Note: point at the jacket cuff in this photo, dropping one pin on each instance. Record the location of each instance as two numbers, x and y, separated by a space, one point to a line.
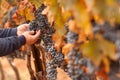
14 31
22 39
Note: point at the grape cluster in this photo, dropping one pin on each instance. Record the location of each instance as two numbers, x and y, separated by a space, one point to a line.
41 23
71 37
40 9
55 62
75 64
75 61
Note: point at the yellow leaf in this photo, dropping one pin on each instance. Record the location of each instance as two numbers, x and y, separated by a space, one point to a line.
66 49
91 50
82 16
37 2
106 63
98 49
111 2
56 12
73 26
58 34
26 10
100 7
108 48
68 4
66 15
59 44
109 11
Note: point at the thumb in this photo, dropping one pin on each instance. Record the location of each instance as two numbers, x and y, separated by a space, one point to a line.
31 32
26 26
37 34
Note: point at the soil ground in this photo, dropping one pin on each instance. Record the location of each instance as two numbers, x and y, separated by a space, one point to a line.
23 71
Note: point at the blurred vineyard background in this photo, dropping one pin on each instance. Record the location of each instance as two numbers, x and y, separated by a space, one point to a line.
96 23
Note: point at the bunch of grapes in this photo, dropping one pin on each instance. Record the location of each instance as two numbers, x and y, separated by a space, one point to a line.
56 58
71 37
76 61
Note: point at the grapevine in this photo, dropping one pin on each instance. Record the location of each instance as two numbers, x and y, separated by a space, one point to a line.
81 37
41 23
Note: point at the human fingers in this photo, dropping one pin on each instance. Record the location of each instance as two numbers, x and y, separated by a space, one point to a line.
36 36
23 27
26 26
31 32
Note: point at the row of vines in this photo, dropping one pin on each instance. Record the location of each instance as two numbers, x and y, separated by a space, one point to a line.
82 37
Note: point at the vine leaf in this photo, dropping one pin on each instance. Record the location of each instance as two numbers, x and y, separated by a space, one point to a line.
56 12
67 4
78 9
67 48
92 52
112 13
28 14
37 2
27 10
108 48
97 51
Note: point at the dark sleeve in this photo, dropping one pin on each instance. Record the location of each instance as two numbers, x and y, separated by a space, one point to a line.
8 32
9 44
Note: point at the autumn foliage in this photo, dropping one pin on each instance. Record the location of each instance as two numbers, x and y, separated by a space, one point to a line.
96 23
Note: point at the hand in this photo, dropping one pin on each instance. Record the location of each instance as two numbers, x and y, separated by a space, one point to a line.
30 38
22 28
